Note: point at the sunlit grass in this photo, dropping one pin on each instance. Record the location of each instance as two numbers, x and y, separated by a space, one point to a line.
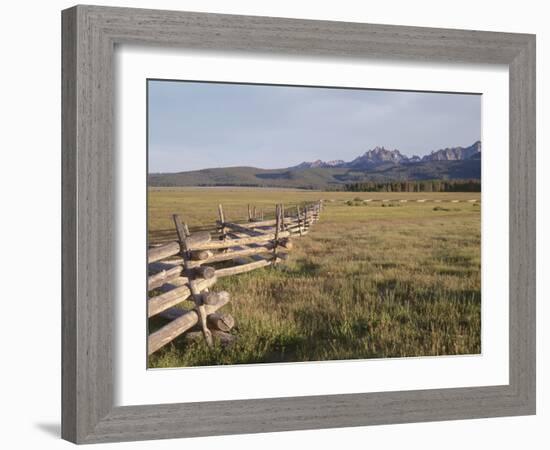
368 281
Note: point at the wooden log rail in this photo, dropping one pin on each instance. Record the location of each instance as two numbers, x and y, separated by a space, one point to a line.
162 252
179 293
243 268
186 270
164 276
232 254
236 242
178 326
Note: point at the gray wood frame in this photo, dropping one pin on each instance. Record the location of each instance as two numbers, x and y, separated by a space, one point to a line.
89 36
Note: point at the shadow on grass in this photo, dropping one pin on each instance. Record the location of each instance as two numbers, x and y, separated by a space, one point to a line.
386 285
305 267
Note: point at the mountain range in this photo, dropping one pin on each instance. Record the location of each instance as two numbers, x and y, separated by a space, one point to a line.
380 155
377 164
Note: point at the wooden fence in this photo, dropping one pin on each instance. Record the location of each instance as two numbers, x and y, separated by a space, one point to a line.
186 269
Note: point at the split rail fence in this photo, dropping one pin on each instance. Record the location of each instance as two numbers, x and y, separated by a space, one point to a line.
186 269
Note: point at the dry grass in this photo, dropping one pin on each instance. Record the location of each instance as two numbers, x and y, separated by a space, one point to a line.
371 280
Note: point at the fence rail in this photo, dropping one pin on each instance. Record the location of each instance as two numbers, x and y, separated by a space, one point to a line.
186 269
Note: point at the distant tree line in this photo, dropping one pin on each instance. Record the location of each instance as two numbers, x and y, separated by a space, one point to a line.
416 186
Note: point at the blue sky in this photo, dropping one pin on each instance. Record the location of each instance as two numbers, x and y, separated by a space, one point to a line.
195 125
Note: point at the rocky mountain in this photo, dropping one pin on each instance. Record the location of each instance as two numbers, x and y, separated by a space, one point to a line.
319 163
378 164
455 153
380 155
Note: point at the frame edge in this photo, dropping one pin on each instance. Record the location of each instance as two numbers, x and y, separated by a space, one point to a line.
69 36
522 283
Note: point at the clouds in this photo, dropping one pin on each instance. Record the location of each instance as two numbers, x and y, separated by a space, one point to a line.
195 125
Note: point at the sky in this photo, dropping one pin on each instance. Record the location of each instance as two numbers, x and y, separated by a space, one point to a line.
194 125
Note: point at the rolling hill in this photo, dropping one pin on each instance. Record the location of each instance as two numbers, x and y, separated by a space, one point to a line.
378 164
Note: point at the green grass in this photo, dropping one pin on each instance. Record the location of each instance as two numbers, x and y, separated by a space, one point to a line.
368 281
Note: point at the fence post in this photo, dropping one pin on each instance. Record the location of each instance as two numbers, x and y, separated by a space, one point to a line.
182 231
299 219
277 228
249 213
222 221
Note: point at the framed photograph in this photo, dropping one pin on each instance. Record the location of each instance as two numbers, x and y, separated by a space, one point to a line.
389 263
278 224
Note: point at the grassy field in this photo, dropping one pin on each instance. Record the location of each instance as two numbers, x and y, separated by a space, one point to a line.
370 280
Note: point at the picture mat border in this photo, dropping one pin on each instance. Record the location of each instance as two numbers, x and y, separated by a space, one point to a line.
135 385
89 36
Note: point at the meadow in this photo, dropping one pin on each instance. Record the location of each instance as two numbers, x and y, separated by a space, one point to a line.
372 279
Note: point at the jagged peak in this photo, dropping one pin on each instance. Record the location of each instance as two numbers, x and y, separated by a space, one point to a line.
380 154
